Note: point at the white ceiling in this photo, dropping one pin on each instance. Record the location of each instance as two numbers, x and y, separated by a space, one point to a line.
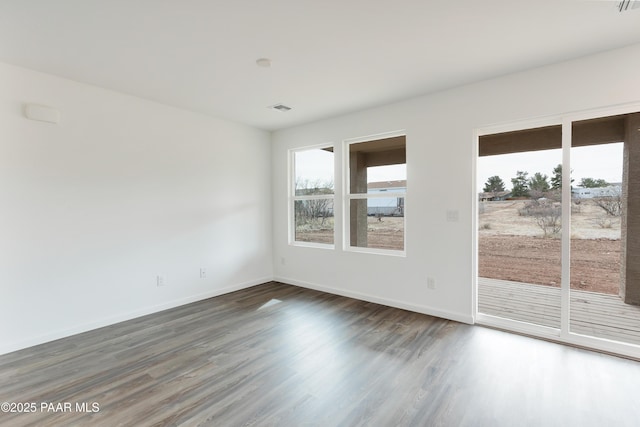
329 56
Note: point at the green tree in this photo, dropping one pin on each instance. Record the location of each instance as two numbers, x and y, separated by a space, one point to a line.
556 179
593 183
494 185
520 184
539 182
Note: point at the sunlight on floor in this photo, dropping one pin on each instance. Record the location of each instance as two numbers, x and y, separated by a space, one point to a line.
269 303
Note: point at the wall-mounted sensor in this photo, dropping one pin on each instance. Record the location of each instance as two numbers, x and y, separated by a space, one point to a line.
42 113
263 62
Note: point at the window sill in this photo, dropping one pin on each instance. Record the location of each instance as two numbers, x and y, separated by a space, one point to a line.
374 251
312 245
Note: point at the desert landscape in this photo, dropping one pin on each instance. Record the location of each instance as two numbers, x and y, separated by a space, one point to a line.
512 246
383 232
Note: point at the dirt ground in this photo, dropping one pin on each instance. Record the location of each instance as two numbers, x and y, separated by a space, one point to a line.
595 263
386 233
510 247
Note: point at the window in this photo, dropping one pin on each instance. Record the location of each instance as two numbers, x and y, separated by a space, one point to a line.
376 192
312 195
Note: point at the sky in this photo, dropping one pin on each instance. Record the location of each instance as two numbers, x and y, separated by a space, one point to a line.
597 161
317 164
314 165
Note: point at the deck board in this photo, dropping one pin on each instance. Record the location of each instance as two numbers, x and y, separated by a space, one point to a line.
595 314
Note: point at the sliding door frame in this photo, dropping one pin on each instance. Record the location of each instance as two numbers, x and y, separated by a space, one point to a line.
563 334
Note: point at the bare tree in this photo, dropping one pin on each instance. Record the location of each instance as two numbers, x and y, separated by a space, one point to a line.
546 213
549 220
313 212
305 187
611 203
317 208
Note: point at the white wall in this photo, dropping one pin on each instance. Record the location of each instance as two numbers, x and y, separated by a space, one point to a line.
440 152
123 189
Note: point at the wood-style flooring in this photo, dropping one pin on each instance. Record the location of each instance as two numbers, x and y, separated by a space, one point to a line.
278 355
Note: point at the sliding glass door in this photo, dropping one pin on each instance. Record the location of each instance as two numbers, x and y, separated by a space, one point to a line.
604 301
558 239
519 225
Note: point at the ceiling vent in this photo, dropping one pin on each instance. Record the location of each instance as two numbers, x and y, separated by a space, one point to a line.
280 107
625 5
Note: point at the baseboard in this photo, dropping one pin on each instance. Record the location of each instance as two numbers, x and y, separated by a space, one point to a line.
111 320
33 341
449 315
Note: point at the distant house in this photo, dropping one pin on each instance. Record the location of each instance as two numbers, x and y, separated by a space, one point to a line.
494 196
612 190
386 206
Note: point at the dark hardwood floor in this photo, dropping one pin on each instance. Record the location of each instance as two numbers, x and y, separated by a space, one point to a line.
278 355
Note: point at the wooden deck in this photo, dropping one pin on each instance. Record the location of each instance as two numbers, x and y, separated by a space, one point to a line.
594 314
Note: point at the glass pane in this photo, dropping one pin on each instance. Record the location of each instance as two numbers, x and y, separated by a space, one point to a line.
314 172
597 304
519 236
378 223
314 221
391 178
378 165
378 170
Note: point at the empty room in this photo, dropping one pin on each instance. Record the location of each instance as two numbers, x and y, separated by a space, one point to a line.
319 213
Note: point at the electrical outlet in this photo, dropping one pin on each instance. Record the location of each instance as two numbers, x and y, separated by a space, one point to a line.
431 283
203 273
160 280
453 215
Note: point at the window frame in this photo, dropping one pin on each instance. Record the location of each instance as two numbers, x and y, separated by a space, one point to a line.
348 196
293 197
565 333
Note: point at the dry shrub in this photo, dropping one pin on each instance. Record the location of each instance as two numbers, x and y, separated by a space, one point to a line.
546 213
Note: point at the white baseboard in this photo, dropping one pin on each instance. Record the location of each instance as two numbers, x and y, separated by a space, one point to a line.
450 315
111 320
